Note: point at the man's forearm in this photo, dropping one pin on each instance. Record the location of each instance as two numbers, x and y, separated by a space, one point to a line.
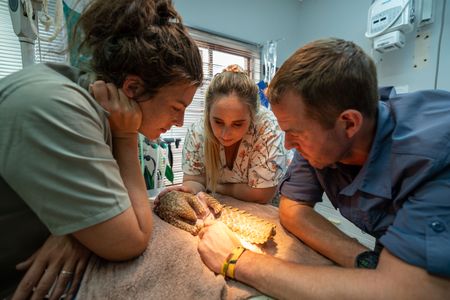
295 281
318 233
125 150
393 279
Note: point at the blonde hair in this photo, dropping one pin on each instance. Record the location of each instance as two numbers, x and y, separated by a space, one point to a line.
231 81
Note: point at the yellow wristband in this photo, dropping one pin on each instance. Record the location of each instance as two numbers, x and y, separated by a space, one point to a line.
229 265
224 269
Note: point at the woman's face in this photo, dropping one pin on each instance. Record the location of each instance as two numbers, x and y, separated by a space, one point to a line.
165 109
230 119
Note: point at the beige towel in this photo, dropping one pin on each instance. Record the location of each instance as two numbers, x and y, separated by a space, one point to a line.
171 267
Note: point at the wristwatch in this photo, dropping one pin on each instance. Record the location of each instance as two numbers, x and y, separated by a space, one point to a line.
367 260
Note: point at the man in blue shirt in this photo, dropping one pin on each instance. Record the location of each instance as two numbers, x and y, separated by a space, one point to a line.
386 166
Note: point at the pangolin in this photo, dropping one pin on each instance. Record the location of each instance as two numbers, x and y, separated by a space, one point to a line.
176 204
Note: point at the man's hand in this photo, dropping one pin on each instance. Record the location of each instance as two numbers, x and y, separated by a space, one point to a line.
56 266
125 115
216 243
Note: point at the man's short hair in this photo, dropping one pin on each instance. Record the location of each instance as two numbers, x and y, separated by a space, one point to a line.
330 75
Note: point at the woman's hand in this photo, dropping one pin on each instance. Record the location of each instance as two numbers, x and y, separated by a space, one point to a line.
216 243
55 270
180 188
125 115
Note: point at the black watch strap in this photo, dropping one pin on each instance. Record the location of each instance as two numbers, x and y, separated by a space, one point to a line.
367 260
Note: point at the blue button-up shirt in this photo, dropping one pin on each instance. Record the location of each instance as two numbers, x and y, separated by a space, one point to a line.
401 195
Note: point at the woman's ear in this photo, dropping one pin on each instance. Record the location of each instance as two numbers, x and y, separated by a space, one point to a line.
351 121
133 86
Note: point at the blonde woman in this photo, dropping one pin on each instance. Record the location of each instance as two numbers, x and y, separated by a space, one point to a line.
237 148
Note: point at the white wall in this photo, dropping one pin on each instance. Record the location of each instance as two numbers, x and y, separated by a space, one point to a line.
255 21
298 22
415 67
344 19
412 68
443 79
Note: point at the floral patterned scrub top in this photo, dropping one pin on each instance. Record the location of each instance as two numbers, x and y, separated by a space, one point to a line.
261 159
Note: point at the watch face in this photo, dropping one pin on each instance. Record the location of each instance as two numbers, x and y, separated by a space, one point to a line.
367 260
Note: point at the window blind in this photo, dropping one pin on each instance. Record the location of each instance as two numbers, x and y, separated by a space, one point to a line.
10 53
10 59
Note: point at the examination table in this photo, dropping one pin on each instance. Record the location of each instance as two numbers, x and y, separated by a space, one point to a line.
171 267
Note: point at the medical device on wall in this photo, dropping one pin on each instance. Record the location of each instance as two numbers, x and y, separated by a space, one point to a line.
25 15
387 23
270 60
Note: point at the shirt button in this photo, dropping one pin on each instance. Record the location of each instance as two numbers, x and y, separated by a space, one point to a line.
437 226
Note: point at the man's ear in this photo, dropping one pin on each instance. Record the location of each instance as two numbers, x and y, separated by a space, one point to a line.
351 121
133 86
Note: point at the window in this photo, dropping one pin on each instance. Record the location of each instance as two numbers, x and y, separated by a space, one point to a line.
10 53
217 53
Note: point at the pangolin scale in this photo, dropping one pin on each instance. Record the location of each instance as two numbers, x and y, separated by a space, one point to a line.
176 204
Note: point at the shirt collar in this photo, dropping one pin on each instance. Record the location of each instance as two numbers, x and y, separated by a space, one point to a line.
374 177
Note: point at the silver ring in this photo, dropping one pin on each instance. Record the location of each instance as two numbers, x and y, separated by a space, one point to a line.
68 273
